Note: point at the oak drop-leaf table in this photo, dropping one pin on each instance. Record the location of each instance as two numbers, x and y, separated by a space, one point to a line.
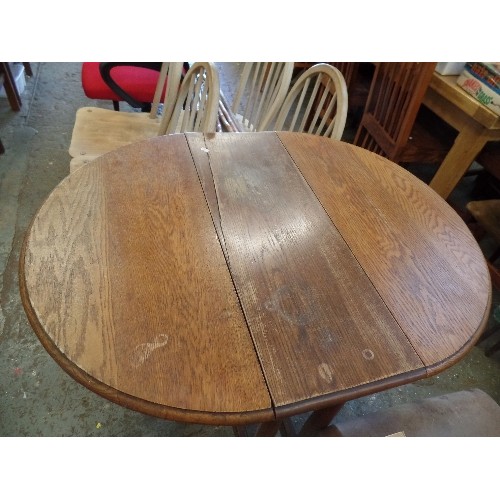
242 278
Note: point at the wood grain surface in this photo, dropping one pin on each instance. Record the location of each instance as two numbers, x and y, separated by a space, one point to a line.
416 250
98 131
233 278
296 278
126 276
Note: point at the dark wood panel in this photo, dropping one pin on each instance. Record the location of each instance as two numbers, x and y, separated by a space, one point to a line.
297 280
131 285
415 249
209 278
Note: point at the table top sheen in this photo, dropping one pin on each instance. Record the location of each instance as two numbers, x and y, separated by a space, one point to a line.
237 278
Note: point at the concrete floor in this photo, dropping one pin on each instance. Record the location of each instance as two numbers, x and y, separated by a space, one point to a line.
37 398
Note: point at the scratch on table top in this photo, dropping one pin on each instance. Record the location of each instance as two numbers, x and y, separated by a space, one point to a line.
142 352
368 354
325 372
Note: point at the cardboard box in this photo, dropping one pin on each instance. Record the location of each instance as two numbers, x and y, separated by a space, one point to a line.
450 68
482 80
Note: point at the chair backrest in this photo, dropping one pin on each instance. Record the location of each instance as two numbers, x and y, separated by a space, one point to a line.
197 104
168 86
261 91
130 82
316 103
394 99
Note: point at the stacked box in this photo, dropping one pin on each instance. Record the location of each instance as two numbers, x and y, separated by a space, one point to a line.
450 68
482 80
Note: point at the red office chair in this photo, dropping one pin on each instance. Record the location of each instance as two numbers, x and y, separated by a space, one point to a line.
131 82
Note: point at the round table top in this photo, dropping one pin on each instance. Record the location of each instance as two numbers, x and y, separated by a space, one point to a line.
235 278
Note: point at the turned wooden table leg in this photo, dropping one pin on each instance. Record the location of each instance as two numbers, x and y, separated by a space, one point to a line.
287 428
318 420
267 429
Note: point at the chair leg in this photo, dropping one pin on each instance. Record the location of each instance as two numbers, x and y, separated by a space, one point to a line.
494 348
488 333
10 87
27 68
2 149
495 255
116 105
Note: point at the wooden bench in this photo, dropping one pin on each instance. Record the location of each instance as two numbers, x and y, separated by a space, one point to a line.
471 413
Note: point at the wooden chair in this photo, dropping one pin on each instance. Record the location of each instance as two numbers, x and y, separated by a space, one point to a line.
98 131
227 121
394 124
197 105
316 103
357 78
349 71
261 91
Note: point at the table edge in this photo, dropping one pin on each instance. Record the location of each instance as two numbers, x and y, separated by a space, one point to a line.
134 403
225 418
114 395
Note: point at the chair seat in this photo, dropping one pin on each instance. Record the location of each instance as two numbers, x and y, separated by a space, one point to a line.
430 140
395 124
469 413
140 83
98 131
426 144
